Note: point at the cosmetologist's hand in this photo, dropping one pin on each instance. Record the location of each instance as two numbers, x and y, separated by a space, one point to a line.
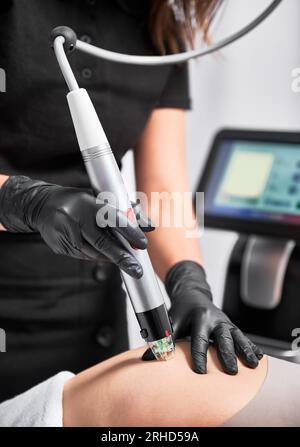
69 221
193 314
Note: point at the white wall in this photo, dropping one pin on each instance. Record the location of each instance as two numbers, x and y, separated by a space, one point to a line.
247 85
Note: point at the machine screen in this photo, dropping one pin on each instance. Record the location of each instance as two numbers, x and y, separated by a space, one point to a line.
255 180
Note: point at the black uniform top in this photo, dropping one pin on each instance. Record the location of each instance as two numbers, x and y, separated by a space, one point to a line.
36 132
61 313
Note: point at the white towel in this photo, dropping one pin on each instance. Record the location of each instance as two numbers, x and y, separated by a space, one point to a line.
41 406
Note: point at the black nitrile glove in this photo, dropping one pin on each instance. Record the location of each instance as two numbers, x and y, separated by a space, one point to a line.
194 314
68 222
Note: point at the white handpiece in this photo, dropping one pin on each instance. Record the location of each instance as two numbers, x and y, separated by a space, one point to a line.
145 293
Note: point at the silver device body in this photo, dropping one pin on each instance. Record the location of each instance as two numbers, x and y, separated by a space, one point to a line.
106 179
145 293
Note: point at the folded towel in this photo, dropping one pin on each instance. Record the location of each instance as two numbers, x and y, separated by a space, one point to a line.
40 406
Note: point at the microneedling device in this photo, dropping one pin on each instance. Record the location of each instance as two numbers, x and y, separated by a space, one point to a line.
104 174
145 294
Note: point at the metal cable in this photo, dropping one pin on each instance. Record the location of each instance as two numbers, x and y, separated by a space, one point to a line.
174 58
64 63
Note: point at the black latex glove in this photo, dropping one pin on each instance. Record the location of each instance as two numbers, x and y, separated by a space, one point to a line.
67 220
194 314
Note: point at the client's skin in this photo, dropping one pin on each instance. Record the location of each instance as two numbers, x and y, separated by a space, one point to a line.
126 391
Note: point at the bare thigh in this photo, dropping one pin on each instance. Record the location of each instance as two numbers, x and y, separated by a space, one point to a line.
126 391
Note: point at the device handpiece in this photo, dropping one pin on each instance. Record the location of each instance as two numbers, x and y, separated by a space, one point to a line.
144 293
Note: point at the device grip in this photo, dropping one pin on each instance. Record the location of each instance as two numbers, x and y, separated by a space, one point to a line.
105 176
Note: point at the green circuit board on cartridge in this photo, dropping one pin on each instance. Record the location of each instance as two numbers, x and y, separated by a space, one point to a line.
163 349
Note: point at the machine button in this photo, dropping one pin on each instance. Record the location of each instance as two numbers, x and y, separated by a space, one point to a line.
144 333
105 336
86 73
293 190
100 273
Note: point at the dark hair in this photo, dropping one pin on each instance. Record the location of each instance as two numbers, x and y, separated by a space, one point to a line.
167 32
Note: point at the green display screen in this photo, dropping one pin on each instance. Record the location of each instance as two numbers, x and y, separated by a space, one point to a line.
256 180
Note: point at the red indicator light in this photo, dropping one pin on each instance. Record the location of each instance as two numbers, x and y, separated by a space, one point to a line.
167 332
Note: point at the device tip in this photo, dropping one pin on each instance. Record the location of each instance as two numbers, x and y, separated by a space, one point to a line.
163 349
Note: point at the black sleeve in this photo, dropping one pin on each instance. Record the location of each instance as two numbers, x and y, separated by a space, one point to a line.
177 90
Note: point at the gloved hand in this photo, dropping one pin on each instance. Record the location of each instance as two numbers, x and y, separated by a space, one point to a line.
193 313
69 222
